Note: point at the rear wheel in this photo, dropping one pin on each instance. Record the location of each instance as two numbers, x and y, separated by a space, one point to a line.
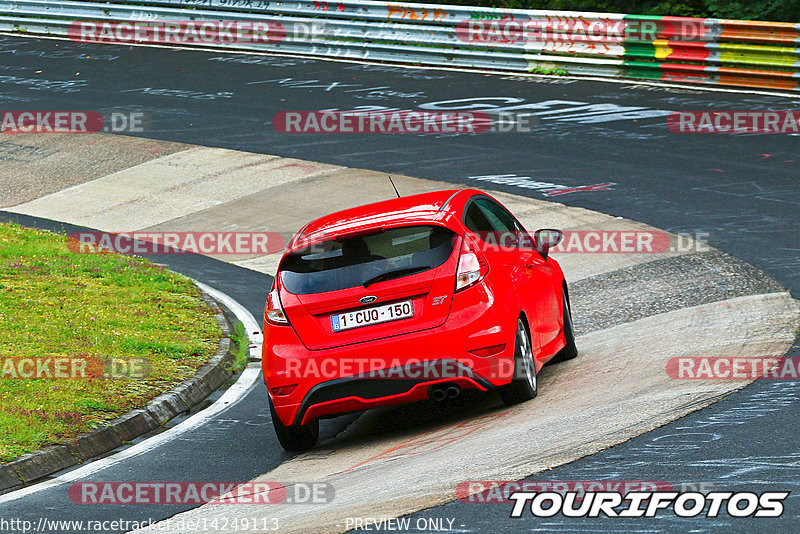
523 385
294 437
570 350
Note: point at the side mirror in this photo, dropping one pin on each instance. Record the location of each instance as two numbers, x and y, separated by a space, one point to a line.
546 239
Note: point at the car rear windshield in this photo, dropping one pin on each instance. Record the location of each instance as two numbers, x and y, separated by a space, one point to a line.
350 262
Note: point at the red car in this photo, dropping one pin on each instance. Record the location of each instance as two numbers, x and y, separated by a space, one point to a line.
408 299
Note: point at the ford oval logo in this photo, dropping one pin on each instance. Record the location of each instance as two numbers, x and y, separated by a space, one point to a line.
368 299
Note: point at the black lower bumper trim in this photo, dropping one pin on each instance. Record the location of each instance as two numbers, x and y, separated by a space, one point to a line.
387 382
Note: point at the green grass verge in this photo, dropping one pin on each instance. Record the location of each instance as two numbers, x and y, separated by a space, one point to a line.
552 71
241 355
95 307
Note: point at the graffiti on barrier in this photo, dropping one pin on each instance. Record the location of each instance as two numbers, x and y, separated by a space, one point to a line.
415 13
323 6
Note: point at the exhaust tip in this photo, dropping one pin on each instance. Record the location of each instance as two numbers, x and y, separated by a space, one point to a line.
453 392
437 393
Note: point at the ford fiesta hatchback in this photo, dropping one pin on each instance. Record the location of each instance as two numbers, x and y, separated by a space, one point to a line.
408 299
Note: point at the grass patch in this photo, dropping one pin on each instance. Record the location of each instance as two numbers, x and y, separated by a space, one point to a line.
92 307
241 356
549 70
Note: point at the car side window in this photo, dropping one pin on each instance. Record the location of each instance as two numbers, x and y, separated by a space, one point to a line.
504 223
476 221
500 219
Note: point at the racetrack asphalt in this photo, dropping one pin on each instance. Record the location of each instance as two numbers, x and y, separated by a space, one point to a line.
741 189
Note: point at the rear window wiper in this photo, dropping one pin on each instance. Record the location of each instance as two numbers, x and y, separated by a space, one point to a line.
395 274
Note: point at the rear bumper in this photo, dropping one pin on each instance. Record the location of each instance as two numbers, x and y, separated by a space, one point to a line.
360 392
387 371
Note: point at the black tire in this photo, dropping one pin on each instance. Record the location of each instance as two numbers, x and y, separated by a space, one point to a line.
570 350
294 438
524 385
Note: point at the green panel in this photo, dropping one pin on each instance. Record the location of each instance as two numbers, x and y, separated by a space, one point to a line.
642 69
639 49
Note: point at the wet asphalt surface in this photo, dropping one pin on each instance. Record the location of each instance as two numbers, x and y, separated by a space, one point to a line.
742 190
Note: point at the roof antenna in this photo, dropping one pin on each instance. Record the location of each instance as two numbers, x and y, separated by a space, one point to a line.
395 187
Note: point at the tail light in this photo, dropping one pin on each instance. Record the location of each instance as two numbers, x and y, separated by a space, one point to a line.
283 390
485 352
274 311
472 266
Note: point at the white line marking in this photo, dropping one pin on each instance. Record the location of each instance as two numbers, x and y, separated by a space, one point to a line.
231 397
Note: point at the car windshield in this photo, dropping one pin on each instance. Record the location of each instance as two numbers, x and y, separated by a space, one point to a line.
344 263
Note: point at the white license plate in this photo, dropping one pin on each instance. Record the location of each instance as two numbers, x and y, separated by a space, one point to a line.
374 315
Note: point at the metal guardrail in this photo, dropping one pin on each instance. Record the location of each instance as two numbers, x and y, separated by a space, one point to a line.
693 50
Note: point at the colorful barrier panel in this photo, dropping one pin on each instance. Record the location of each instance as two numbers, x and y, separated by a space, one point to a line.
675 49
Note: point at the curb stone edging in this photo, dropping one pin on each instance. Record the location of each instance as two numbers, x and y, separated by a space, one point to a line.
182 398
